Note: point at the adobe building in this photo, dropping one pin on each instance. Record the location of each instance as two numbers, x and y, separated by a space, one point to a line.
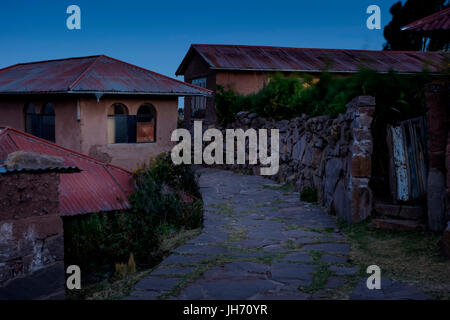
247 69
46 185
103 107
31 230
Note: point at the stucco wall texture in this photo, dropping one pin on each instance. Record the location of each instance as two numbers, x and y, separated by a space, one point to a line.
81 125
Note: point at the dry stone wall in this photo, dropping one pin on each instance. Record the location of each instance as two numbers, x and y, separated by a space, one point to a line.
331 155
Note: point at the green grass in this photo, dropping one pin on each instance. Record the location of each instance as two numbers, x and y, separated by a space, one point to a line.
320 275
411 257
285 187
223 208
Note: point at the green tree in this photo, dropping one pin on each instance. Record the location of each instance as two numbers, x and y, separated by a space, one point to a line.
403 14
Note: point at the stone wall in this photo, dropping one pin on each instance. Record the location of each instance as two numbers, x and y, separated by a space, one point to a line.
331 155
31 236
438 193
437 101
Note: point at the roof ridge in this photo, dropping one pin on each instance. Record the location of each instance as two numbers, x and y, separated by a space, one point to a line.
57 146
161 75
83 74
315 49
426 19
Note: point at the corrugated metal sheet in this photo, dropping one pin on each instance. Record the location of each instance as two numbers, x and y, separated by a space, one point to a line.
439 21
64 169
95 74
98 187
261 58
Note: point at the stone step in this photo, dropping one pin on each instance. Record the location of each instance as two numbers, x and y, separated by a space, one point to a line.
397 224
399 211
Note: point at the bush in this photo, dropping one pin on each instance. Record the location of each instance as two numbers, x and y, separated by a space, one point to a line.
308 194
167 199
398 97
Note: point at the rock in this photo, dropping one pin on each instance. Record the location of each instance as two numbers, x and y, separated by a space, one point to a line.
361 166
328 258
398 211
32 160
445 241
390 290
343 271
436 200
333 170
399 225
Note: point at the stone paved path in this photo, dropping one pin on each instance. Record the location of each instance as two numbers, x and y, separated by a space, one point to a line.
258 242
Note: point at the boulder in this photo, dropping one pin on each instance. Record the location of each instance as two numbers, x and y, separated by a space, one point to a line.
32 160
445 241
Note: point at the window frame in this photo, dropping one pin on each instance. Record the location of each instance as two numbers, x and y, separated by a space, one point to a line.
198 100
131 123
154 116
36 127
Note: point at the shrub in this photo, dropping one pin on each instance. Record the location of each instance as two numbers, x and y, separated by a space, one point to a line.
167 199
308 194
398 97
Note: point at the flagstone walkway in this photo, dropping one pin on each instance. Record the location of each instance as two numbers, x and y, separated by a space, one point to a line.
259 242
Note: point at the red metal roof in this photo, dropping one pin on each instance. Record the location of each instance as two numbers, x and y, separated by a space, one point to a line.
98 187
439 21
94 74
262 58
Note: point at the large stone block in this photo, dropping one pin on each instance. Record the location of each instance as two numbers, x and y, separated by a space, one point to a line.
445 241
436 193
361 167
333 171
362 199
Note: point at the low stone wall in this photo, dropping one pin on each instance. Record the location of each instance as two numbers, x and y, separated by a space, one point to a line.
331 155
31 237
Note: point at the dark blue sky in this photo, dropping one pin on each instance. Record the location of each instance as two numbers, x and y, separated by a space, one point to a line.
157 34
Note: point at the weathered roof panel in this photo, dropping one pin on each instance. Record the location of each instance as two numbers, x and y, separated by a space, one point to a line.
94 74
98 187
262 58
439 21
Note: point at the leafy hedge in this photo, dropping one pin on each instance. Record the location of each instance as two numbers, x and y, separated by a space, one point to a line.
398 96
167 199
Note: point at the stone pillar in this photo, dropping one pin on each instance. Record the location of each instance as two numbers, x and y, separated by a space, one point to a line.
437 104
360 158
352 198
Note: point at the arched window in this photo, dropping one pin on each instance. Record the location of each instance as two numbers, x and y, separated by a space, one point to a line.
32 125
118 123
48 122
146 123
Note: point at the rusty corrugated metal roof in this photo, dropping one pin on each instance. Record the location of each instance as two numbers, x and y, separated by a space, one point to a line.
262 58
94 74
439 21
65 169
98 187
